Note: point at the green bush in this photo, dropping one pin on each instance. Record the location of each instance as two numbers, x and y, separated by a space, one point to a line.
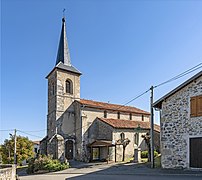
45 163
144 154
156 153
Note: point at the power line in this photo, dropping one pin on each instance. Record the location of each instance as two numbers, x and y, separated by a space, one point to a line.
36 130
7 130
136 97
29 134
172 79
118 108
181 75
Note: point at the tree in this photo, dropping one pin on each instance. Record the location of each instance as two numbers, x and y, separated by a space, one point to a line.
123 141
24 150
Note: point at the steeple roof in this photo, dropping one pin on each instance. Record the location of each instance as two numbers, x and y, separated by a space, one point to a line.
63 56
63 50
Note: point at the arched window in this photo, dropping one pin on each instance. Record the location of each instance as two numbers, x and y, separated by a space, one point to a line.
68 86
136 138
122 136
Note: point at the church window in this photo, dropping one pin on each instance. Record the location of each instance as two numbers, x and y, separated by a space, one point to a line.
130 116
68 86
196 106
136 138
118 115
122 135
105 114
142 117
53 89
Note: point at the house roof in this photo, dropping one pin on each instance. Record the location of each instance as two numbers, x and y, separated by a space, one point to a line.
36 142
128 124
158 103
113 107
101 143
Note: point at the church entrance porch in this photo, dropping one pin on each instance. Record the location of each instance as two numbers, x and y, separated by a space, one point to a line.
69 149
101 150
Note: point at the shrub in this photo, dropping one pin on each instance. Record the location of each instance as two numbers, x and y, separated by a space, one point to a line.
156 153
45 163
144 154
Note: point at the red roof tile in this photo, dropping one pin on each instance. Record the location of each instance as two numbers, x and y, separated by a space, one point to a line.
36 142
114 107
129 124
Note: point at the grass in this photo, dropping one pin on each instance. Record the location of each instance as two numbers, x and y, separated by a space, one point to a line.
20 167
157 161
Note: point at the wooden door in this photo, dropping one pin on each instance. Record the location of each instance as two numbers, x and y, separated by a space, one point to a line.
69 149
196 152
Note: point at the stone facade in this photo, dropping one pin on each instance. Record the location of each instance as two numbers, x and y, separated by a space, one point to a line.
58 103
177 126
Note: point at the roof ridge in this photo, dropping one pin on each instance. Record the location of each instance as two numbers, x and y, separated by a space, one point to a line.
158 103
126 120
120 123
114 104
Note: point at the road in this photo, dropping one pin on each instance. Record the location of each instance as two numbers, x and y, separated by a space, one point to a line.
117 172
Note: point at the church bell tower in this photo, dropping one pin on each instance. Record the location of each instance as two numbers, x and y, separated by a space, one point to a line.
63 84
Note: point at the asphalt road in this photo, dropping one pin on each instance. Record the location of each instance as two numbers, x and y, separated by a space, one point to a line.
116 171
110 177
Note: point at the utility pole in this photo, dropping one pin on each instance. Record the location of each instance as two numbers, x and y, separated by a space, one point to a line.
15 144
152 127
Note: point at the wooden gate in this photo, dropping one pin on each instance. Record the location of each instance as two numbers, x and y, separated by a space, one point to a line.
196 152
69 149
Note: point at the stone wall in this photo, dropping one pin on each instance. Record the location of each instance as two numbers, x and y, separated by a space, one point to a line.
98 131
8 172
177 126
60 118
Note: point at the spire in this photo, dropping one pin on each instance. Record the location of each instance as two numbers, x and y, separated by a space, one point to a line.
63 50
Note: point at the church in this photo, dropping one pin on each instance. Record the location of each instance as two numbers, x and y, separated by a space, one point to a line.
87 130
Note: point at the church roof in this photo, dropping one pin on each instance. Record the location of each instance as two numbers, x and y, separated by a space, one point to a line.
63 61
68 68
129 124
63 50
65 68
113 107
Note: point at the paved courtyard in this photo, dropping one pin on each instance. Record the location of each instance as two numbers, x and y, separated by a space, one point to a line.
117 171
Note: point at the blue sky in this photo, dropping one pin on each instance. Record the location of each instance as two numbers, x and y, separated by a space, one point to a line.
122 47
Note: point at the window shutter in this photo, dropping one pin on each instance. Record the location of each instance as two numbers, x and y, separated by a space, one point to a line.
199 106
193 103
